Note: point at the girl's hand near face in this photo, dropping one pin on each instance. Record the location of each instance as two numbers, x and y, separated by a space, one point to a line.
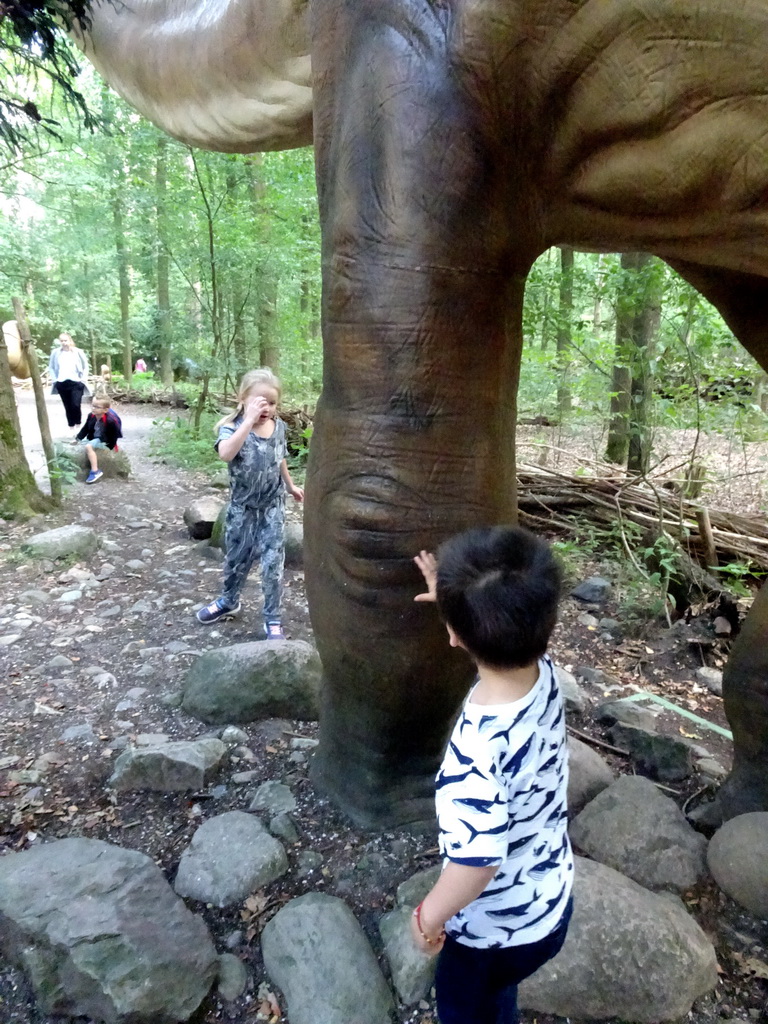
254 409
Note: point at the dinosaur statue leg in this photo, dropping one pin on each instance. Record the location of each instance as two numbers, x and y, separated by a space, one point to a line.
742 299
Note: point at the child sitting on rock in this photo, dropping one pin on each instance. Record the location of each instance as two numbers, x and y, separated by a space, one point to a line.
101 430
502 904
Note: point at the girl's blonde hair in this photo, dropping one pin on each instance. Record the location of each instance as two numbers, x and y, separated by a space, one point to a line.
250 380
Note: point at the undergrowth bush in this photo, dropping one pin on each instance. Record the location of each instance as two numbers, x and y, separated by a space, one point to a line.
174 440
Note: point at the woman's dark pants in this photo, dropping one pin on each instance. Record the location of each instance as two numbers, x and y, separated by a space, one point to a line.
71 392
479 986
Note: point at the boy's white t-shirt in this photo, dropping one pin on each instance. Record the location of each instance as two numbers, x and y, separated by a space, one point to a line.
501 799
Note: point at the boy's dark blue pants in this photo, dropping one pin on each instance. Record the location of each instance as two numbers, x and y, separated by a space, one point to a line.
479 986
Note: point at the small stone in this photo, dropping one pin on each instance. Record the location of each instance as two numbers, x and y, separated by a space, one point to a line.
722 626
595 590
573 695
105 681
25 777
308 861
135 692
147 553
149 652
60 661
233 977
627 712
105 571
135 565
585 619
609 625
110 612
712 678
596 677
172 699
297 757
145 671
151 739
242 778
140 608
9 638
273 797
34 597
234 939
233 736
710 767
303 743
282 826
77 732
69 596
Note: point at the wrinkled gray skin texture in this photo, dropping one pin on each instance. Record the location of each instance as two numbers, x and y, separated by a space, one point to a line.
455 141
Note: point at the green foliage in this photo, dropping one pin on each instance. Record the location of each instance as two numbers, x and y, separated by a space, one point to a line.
175 441
297 459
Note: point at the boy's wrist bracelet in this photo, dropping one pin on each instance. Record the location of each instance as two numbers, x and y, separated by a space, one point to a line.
430 942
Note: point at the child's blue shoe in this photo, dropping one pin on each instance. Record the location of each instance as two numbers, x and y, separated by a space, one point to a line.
215 611
93 476
274 631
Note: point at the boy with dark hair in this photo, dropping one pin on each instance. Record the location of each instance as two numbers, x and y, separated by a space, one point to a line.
502 904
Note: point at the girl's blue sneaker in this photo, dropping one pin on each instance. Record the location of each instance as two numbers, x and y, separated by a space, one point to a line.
215 611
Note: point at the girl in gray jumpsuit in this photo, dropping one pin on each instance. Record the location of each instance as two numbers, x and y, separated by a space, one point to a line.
252 441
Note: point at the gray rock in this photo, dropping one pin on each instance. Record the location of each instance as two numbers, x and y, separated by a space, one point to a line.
710 767
588 775
243 778
308 861
69 596
151 739
635 829
229 857
233 977
294 545
629 954
609 625
596 677
246 682
99 933
413 972
234 939
77 732
60 661
186 764
111 611
282 826
140 608
412 891
595 590
274 797
200 516
105 572
712 678
216 542
627 712
115 465
573 695
297 757
34 597
317 954
738 860
585 619
303 743
666 758
104 681
9 638
149 652
73 540
233 736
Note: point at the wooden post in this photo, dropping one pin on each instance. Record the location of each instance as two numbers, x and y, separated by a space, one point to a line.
707 538
42 413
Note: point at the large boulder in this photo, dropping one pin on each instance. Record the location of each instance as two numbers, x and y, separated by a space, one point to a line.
666 758
217 531
247 682
229 857
115 465
588 775
629 954
317 954
63 542
169 767
201 515
635 829
100 934
738 859
294 544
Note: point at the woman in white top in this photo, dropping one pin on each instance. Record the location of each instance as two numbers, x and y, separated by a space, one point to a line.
68 367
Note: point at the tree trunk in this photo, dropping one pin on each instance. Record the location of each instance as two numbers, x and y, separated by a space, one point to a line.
269 349
564 327
19 495
617 447
42 413
414 431
644 338
163 263
116 180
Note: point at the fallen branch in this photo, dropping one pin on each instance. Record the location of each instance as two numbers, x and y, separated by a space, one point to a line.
597 743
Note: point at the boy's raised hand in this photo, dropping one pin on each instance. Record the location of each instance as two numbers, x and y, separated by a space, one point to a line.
427 562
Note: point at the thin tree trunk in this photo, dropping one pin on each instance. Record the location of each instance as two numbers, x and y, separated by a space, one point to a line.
163 263
42 413
644 337
617 447
564 327
19 494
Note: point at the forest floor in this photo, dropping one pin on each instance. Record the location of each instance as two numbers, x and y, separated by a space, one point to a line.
61 721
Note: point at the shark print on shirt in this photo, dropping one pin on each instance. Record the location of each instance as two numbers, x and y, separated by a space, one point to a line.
501 799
